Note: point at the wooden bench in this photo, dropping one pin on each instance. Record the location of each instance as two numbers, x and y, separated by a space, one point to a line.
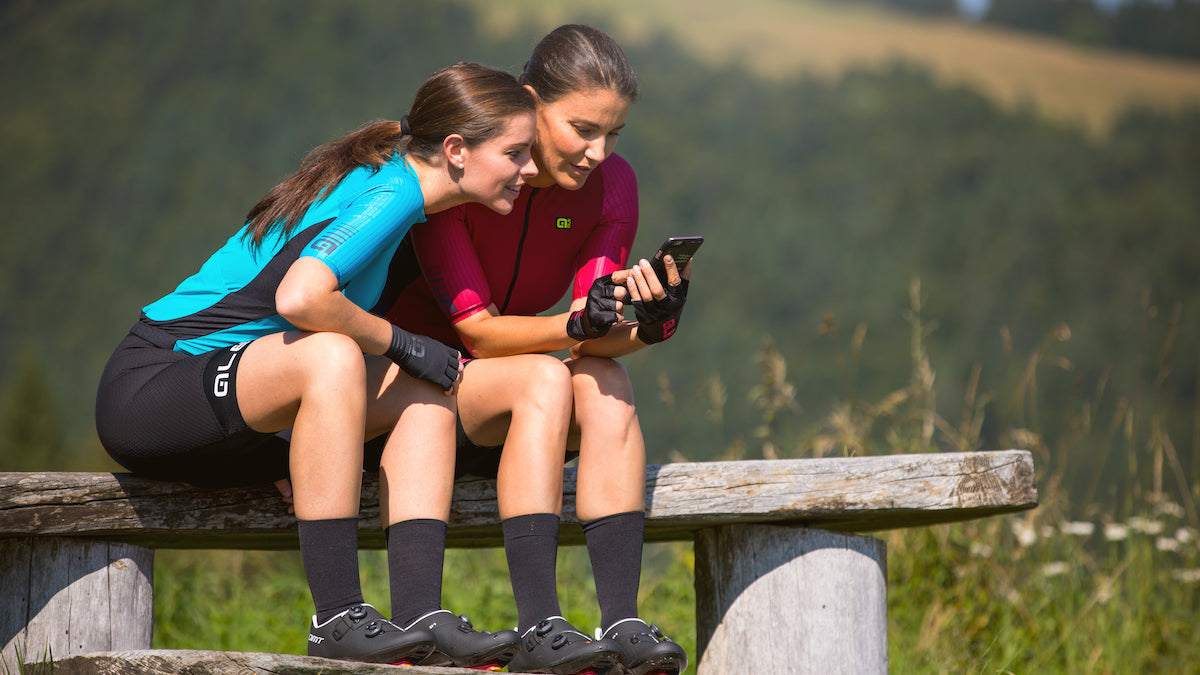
776 543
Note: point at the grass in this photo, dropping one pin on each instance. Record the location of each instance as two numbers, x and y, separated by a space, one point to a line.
1074 586
789 38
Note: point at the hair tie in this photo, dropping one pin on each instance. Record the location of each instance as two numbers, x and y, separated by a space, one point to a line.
405 129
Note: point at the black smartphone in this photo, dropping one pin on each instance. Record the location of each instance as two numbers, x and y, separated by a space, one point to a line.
681 249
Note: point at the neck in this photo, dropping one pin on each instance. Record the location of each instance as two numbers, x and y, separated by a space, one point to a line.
439 191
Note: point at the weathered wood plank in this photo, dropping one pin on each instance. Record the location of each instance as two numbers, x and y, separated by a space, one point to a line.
73 596
189 662
778 599
855 494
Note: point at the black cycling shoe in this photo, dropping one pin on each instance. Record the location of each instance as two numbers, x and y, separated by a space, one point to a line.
362 634
460 645
555 646
644 649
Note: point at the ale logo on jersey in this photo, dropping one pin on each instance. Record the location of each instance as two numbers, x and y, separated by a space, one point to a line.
563 223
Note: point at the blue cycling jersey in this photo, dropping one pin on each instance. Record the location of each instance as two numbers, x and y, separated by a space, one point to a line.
354 228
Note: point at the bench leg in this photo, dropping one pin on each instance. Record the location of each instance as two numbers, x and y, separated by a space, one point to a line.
776 599
65 596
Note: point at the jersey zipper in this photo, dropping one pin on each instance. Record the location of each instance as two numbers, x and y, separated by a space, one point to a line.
520 249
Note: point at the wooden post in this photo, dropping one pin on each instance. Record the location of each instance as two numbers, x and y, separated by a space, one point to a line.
65 596
778 599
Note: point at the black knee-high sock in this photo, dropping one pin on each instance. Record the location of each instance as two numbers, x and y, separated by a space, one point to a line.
416 553
615 548
329 549
531 546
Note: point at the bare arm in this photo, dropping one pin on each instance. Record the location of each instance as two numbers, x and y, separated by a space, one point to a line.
309 298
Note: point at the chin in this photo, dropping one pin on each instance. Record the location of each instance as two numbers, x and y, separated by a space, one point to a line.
503 207
568 181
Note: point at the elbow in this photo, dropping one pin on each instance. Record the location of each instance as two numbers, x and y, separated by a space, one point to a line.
295 303
477 348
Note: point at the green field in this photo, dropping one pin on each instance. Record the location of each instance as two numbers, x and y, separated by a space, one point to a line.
786 38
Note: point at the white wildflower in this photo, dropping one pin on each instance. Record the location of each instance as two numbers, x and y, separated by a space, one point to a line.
1191 576
1079 528
1024 533
1169 509
1185 535
1115 532
1145 525
980 550
1056 568
1166 544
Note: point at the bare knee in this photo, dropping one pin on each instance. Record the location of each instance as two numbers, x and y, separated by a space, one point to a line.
333 359
543 382
601 377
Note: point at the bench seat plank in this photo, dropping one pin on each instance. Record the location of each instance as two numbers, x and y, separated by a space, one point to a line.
189 661
848 494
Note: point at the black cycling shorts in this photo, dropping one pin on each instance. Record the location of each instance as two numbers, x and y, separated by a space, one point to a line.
174 416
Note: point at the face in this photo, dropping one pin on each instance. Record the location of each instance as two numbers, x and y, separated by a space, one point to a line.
494 171
576 133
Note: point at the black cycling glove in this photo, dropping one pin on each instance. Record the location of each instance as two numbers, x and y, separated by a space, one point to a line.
658 319
424 358
598 315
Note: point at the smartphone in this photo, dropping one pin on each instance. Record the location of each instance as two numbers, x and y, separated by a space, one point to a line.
681 249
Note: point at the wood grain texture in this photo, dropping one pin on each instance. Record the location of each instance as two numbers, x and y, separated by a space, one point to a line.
192 662
73 596
855 494
779 599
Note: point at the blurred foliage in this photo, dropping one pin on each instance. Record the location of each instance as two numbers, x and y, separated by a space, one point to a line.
137 134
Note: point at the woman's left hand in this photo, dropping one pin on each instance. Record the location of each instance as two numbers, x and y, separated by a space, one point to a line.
657 308
285 488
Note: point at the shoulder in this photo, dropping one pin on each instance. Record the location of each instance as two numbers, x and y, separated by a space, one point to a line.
617 168
390 176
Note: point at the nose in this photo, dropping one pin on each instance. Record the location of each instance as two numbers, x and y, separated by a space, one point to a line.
529 168
596 150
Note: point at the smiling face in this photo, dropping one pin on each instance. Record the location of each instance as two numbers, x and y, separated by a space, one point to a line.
494 171
574 134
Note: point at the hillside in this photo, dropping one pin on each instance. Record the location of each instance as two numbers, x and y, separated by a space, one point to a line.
140 132
781 39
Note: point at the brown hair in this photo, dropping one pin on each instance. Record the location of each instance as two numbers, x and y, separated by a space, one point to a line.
575 57
467 99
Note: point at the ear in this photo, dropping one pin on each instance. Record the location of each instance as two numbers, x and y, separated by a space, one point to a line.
454 148
536 99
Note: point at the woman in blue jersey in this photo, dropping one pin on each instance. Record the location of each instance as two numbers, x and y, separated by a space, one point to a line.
274 335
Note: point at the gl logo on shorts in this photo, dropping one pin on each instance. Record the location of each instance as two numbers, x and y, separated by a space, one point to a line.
221 384
563 223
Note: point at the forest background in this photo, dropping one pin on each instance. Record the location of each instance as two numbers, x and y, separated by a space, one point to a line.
924 232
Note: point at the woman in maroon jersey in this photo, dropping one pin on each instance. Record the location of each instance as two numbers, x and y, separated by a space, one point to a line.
487 277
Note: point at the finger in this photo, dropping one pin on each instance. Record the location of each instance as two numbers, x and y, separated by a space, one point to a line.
639 278
631 286
285 489
672 271
654 288
620 276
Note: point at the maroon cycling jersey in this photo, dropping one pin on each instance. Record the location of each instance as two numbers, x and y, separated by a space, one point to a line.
523 262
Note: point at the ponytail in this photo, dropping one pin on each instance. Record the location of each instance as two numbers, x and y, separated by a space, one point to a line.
467 99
